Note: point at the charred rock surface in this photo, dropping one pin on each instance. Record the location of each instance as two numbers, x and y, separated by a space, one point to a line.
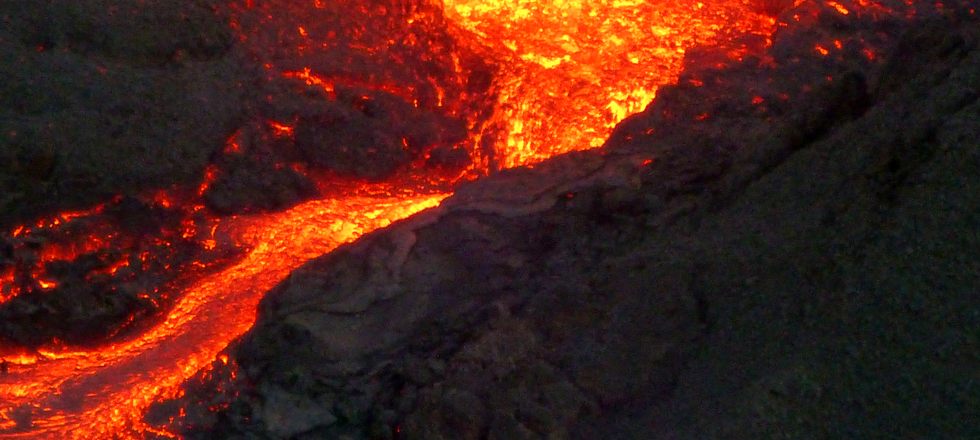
103 97
796 268
260 175
372 136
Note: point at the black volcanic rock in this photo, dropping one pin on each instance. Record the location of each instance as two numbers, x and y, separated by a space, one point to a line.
355 143
371 135
102 97
803 269
149 31
250 185
79 313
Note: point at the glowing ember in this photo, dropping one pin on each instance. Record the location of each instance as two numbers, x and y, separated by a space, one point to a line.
558 75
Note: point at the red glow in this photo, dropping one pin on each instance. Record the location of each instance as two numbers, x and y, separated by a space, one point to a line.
210 173
232 146
280 129
565 72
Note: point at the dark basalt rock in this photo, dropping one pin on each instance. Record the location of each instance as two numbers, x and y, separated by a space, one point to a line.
371 135
150 31
353 143
75 314
250 185
107 97
72 294
90 306
796 271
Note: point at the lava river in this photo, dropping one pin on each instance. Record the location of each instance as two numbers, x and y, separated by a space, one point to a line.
564 73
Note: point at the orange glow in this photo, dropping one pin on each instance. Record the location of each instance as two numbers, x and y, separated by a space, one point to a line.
124 378
572 69
7 290
565 73
163 199
210 173
329 85
839 7
46 249
280 129
47 285
313 80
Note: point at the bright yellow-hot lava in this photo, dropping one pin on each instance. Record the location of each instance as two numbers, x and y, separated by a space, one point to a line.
571 69
565 73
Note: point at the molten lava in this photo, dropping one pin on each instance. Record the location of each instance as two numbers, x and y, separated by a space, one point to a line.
528 79
106 390
571 69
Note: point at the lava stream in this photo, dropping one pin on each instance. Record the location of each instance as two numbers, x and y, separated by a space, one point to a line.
564 73
101 393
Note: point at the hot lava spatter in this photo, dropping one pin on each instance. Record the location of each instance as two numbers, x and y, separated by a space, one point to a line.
442 92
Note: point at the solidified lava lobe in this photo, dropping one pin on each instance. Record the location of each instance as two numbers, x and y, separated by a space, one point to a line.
376 109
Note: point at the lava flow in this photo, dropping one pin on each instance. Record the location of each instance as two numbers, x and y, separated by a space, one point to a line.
524 79
571 69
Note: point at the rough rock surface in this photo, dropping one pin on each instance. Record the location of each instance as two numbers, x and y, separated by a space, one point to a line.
102 97
106 293
371 136
181 103
791 268
106 97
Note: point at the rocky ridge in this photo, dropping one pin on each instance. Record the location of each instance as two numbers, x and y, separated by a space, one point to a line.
727 267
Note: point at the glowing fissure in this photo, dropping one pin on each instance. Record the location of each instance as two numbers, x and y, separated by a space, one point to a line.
563 74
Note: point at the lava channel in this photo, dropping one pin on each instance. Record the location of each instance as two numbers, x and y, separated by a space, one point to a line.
550 77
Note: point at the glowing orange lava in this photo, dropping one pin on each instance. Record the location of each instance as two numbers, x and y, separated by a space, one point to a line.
566 71
572 69
101 393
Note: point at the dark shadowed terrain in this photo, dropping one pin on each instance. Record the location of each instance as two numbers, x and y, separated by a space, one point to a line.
104 97
788 249
800 267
